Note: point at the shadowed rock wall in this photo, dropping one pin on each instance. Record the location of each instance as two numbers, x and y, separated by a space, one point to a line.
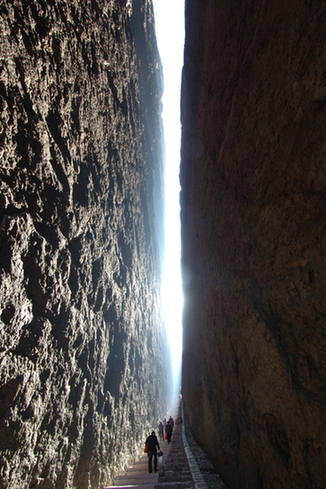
82 372
253 239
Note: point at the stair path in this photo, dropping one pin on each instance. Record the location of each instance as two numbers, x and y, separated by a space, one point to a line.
197 476
178 471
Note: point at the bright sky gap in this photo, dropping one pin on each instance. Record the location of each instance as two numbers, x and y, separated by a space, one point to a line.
169 22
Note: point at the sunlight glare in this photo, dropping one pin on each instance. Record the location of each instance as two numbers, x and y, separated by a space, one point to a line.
169 23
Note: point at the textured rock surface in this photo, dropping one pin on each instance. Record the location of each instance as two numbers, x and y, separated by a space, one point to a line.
82 373
253 229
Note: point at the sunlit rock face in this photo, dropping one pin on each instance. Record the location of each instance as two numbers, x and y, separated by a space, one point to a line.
253 233
82 358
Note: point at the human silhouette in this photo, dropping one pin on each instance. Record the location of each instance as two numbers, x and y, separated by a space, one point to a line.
161 431
152 443
168 431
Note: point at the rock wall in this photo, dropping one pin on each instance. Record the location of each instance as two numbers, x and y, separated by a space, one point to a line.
82 372
253 205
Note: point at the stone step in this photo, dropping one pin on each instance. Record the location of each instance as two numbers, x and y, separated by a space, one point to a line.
176 485
175 478
133 486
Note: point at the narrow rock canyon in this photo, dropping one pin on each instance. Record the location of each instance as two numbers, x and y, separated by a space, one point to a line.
83 363
253 209
82 368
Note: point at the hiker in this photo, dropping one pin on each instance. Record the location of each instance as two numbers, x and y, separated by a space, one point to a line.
161 431
152 443
168 431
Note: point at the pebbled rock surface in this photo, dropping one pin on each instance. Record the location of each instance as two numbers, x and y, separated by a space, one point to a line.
82 375
253 206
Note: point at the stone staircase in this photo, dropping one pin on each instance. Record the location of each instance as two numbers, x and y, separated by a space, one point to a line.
178 471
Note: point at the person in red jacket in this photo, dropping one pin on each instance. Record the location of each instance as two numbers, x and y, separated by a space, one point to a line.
152 443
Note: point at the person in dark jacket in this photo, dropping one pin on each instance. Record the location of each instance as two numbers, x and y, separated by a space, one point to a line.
161 431
168 431
152 443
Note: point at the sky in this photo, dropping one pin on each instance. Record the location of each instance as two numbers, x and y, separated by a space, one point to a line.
169 23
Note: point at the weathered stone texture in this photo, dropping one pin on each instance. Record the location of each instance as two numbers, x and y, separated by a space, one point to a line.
82 370
253 204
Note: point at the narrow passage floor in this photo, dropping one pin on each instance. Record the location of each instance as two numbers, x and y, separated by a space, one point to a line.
174 473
